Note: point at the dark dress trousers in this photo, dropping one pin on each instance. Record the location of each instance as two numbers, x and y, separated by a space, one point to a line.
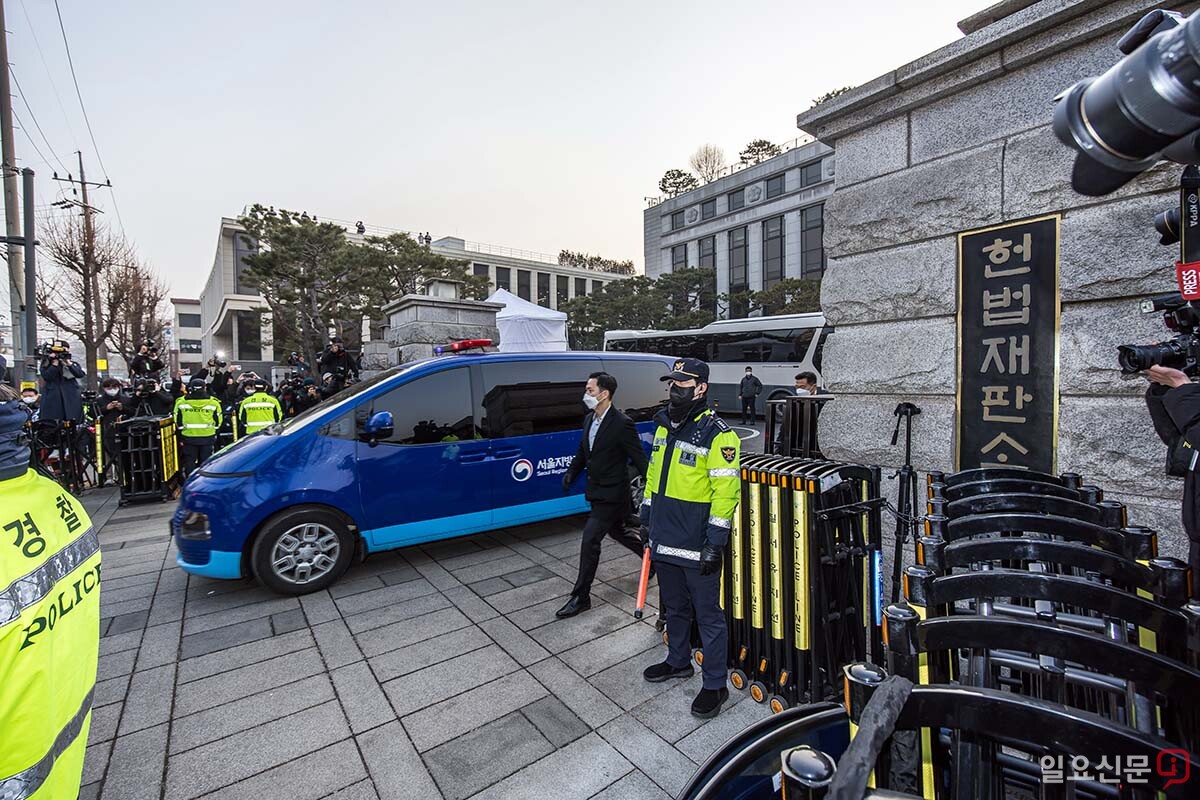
606 462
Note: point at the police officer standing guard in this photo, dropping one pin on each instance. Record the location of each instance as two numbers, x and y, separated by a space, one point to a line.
197 417
49 622
692 492
258 409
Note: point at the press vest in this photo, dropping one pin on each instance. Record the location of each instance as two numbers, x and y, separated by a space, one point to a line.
197 417
49 637
258 411
693 487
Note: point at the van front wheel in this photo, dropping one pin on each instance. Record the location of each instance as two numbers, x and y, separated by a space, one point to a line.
302 550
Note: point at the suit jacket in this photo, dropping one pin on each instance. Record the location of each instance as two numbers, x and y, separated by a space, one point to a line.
616 446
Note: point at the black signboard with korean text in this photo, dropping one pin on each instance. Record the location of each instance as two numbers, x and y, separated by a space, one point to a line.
1008 319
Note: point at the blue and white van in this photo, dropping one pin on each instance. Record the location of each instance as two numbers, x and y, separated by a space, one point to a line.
432 449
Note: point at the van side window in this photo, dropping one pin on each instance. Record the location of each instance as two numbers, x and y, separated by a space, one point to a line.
640 393
525 398
431 409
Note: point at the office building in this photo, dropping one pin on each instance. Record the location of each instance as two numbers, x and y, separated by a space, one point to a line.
187 336
756 224
235 320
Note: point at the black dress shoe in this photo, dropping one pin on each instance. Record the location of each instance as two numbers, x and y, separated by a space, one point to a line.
574 606
657 673
708 703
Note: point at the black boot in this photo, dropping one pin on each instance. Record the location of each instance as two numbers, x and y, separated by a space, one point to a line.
664 671
708 703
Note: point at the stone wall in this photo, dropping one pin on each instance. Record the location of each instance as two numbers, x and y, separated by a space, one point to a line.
418 323
960 139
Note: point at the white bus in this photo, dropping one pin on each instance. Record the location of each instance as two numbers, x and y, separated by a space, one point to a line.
776 347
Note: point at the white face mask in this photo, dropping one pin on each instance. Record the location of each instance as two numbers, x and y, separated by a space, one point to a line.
590 401
28 400
800 391
111 392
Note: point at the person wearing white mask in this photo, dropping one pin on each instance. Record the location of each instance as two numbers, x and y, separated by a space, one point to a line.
608 445
32 402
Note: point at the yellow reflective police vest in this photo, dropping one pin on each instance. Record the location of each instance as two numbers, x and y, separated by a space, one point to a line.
49 637
693 487
258 411
197 417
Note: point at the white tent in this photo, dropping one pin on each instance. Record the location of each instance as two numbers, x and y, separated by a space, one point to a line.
526 327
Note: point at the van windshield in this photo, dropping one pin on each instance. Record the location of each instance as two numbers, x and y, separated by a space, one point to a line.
342 398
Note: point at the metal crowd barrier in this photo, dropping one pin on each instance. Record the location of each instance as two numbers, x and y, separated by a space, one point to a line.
149 458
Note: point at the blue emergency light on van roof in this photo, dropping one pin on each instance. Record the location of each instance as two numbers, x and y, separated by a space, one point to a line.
460 346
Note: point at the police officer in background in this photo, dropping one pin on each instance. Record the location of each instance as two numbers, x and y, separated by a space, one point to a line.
49 622
197 417
692 492
258 409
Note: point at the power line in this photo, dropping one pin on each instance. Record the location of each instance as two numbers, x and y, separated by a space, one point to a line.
33 116
49 76
21 125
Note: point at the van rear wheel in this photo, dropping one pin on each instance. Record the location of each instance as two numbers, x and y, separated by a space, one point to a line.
302 550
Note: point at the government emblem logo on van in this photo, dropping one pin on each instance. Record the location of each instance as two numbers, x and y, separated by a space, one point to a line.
522 469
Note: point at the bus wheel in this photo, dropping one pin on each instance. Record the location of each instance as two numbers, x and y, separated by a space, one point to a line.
302 550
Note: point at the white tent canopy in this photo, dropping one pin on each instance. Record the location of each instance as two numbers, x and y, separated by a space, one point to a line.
526 327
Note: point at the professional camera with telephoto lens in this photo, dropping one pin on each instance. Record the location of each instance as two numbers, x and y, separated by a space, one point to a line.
151 347
217 363
1182 352
54 349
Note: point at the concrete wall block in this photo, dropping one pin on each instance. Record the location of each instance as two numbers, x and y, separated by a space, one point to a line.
402 316
946 196
1104 256
1013 102
440 333
872 152
1037 176
858 428
912 281
432 313
1090 334
1160 514
1110 19
914 356
1110 441
484 318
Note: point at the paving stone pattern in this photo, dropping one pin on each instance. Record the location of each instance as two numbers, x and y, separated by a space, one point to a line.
436 671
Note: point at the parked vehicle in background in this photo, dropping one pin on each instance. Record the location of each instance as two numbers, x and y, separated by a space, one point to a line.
777 347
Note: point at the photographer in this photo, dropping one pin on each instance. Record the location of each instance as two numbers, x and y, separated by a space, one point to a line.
297 362
62 378
149 400
331 384
336 358
113 404
1174 404
218 377
146 363
306 397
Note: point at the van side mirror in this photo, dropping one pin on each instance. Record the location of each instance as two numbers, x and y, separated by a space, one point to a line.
379 426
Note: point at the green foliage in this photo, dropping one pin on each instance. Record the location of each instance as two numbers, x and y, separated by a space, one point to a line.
832 94
569 258
401 266
758 151
790 296
676 181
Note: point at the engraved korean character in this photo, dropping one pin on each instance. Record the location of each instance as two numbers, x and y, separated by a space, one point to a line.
26 536
1109 773
1001 250
1052 769
1001 457
1004 299
1079 769
1137 768
67 512
996 397
1018 355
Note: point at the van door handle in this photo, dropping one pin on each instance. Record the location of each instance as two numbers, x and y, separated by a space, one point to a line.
508 452
471 458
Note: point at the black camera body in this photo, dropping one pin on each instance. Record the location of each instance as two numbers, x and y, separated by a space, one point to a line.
217 363
55 348
1181 352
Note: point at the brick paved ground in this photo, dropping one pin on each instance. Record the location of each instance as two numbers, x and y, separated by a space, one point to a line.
434 671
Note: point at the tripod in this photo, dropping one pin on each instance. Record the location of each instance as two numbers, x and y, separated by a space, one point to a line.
907 499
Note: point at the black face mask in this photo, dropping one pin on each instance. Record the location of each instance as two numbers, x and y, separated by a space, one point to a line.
681 399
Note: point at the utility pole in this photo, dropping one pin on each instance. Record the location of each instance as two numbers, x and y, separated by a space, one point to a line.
91 272
12 220
30 280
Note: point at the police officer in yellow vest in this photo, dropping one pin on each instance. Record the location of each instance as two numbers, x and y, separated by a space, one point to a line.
197 417
258 409
692 492
49 623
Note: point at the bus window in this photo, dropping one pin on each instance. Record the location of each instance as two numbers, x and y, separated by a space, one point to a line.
640 392
818 350
738 347
789 346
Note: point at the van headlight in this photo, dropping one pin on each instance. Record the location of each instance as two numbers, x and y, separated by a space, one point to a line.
194 526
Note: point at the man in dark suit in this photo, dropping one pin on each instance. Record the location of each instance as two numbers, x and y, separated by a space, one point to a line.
608 445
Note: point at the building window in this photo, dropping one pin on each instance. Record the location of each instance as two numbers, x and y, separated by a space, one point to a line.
543 284
708 209
189 320
677 220
812 252
708 251
772 251
561 294
737 199
523 284
191 346
249 336
503 279
678 257
481 270
242 246
581 287
597 286
737 270
774 186
810 174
